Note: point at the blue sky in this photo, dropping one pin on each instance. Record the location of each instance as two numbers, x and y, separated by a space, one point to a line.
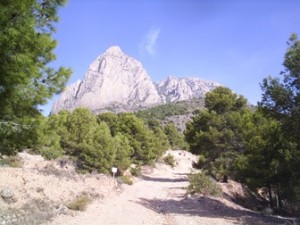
234 42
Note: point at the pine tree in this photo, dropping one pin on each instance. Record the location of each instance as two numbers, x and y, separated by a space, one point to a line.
175 138
26 78
216 133
281 102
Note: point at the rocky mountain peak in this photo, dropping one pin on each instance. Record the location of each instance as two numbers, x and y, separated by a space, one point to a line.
114 50
117 82
114 82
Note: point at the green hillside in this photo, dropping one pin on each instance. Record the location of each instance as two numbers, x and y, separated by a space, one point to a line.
162 112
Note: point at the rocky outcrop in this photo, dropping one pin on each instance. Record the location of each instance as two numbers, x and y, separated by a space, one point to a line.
117 82
175 89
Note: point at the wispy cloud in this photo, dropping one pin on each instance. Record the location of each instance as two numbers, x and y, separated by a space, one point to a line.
148 43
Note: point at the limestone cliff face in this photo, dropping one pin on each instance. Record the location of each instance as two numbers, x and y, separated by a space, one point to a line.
117 82
175 89
114 82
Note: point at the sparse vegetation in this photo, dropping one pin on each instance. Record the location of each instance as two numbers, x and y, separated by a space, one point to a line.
80 203
50 169
38 211
12 161
170 160
201 183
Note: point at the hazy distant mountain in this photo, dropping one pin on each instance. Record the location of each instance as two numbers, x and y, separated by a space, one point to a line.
117 82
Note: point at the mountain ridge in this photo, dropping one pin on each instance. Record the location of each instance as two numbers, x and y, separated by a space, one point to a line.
117 82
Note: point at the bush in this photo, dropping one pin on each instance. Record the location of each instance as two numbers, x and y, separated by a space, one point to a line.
51 152
80 203
170 160
126 180
136 171
201 161
200 183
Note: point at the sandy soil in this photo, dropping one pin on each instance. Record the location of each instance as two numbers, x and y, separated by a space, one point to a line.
42 189
39 178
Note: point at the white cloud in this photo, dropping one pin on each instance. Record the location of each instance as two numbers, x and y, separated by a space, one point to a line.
149 42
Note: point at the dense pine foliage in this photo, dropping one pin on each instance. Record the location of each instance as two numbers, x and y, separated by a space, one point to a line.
216 132
26 78
98 142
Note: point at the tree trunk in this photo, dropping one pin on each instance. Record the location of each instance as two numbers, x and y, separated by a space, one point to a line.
270 196
279 202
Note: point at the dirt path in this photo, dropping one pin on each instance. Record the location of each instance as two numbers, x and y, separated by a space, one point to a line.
159 198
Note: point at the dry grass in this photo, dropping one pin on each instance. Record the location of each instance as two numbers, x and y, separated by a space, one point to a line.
38 211
80 203
11 161
51 169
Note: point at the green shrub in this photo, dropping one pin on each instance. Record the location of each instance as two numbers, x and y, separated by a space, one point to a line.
220 167
201 161
200 183
136 171
80 203
126 180
82 171
170 160
51 152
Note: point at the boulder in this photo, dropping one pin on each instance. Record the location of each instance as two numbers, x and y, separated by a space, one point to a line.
7 193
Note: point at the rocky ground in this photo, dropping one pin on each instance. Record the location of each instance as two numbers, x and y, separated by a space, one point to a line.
42 189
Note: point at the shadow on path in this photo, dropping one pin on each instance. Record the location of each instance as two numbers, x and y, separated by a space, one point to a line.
182 174
160 179
209 207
